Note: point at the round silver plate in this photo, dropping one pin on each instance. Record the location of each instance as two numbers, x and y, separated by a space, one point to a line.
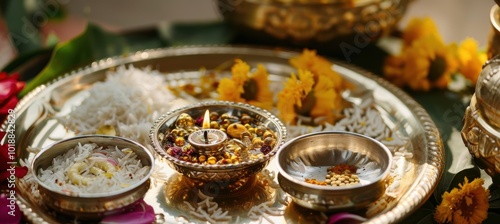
37 126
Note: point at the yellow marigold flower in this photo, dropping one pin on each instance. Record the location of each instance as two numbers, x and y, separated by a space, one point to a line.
471 60
425 64
327 101
318 65
305 97
469 204
245 87
418 28
294 92
228 90
239 74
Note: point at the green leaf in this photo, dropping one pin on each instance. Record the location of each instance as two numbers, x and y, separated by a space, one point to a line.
421 214
427 219
195 33
494 198
26 58
22 27
455 180
493 218
471 174
54 10
458 160
93 44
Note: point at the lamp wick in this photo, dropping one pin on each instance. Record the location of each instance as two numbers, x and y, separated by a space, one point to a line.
205 134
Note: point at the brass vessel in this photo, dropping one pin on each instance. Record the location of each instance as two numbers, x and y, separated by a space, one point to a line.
481 130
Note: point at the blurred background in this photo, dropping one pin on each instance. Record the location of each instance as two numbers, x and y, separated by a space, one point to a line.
31 30
456 19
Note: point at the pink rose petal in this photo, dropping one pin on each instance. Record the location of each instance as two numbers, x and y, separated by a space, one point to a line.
6 105
345 217
142 213
9 212
3 75
7 89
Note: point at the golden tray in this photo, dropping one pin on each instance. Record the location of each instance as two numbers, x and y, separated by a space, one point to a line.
36 126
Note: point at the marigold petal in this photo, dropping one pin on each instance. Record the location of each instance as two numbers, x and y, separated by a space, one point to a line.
466 204
418 28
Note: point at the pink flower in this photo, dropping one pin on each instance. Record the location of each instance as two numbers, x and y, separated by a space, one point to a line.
346 218
8 168
141 213
9 212
10 86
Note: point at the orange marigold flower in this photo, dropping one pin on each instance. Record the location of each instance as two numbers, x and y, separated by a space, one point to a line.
246 87
418 28
471 60
315 94
318 65
228 90
425 64
294 92
305 97
466 204
328 102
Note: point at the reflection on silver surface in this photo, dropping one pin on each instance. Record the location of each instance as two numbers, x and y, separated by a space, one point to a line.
308 156
237 197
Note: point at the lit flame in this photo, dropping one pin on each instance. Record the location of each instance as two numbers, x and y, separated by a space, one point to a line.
206 120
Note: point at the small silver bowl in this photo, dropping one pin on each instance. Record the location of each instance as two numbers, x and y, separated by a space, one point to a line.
217 172
309 156
96 205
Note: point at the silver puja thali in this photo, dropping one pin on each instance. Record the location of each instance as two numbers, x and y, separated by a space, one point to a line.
411 135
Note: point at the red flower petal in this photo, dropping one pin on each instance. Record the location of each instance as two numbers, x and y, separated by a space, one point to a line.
3 75
142 213
345 217
7 89
6 105
21 171
19 86
9 211
4 157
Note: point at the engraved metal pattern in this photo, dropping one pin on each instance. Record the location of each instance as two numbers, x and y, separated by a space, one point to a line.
219 172
426 140
302 22
481 130
482 140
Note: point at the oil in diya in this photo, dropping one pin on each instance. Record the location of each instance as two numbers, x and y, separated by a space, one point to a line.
221 139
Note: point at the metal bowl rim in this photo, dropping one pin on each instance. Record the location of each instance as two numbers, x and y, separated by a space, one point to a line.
153 136
288 177
309 4
101 194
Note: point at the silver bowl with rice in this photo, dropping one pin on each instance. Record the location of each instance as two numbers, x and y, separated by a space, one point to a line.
305 166
91 176
240 168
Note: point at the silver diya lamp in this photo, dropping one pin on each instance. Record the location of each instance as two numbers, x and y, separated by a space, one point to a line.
207 141
481 129
218 151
